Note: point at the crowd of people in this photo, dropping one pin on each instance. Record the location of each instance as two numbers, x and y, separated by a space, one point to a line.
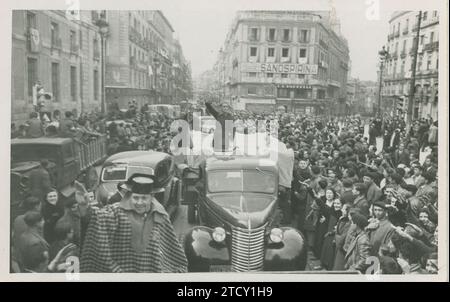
351 197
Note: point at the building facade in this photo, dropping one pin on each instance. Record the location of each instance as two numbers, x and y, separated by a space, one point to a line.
293 59
61 52
143 61
398 67
361 96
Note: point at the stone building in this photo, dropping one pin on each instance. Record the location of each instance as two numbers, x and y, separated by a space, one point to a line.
61 51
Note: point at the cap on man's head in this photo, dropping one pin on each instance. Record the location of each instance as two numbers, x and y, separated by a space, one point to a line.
142 184
380 204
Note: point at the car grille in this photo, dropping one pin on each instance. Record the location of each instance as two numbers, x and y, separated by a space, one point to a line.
247 249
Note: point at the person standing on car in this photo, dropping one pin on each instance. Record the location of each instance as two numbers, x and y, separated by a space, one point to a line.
134 235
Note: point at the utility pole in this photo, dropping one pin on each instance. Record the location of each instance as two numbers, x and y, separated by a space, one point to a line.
384 55
412 87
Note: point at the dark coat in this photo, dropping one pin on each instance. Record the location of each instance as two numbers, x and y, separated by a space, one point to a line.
373 193
39 183
51 214
342 227
117 197
30 240
362 204
34 128
347 197
357 253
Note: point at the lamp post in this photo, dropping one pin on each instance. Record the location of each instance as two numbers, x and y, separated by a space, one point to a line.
384 55
156 63
103 30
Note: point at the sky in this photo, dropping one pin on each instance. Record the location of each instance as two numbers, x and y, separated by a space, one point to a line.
202 31
202 26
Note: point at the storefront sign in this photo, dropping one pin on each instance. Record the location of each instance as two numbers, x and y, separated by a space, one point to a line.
287 68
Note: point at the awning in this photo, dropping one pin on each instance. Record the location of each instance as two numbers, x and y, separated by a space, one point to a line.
294 86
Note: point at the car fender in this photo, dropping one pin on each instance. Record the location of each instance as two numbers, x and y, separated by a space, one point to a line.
288 255
202 251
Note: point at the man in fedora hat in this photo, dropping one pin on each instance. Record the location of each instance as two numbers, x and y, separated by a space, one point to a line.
133 235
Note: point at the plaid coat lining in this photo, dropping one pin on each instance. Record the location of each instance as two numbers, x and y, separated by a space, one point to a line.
107 247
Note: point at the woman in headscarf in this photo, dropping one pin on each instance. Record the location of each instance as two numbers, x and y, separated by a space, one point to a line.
342 227
52 209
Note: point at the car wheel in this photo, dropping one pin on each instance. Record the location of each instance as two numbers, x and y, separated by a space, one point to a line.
192 214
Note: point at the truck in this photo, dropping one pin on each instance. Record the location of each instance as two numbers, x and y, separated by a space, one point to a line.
68 159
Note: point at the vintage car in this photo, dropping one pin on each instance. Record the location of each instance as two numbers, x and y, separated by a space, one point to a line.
119 167
235 201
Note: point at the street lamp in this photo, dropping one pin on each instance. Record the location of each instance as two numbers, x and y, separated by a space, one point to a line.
103 30
384 55
156 63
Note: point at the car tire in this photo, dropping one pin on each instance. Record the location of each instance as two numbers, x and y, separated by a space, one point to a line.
192 214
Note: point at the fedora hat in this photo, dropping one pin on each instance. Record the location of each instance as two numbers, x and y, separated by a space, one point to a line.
143 184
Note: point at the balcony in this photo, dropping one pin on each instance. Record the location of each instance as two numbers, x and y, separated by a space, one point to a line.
74 49
56 43
403 54
390 37
323 44
96 54
415 27
405 31
133 62
397 34
394 55
431 46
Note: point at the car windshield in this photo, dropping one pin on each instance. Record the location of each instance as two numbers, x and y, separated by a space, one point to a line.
123 172
241 181
22 153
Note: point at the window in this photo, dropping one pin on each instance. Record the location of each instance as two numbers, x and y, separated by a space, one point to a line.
81 39
301 76
396 46
81 80
55 81
268 90
73 40
253 34
31 20
284 75
251 90
73 83
302 53
286 35
269 75
272 34
32 74
424 16
96 86
404 46
431 37
283 93
422 39
253 51
96 51
429 64
304 37
435 13
285 52
406 25
54 33
271 52
252 74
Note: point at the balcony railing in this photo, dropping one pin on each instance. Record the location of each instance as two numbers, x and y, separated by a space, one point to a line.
405 31
394 55
56 43
96 54
403 54
397 34
431 46
74 48
390 37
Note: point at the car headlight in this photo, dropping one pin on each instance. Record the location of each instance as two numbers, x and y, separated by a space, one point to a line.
276 235
219 234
